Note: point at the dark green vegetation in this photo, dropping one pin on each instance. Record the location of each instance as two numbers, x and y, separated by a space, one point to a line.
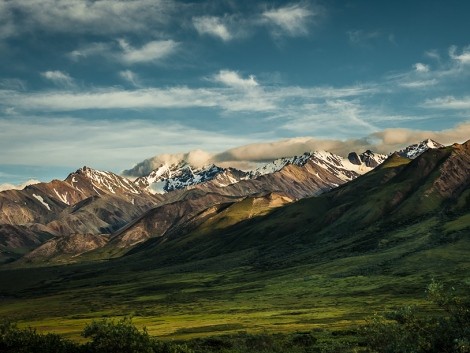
443 328
407 329
320 265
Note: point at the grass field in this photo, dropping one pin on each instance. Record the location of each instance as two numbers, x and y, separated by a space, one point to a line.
182 301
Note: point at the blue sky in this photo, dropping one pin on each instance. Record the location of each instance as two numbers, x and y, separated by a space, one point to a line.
109 83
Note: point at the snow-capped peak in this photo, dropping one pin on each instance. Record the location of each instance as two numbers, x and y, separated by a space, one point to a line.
177 176
416 150
280 163
106 182
335 164
368 158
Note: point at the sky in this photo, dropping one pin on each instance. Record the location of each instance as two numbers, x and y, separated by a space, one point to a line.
112 83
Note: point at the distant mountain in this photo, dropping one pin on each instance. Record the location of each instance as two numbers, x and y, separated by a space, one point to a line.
367 158
167 178
405 211
416 150
112 214
87 201
180 175
95 182
283 180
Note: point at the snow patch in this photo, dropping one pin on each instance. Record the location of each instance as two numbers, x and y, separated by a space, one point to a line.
41 200
62 198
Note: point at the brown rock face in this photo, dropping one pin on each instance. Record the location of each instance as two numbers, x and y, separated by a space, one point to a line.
86 202
454 172
65 247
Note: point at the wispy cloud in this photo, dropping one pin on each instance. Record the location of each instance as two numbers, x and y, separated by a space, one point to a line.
291 20
237 94
178 97
462 58
419 84
342 116
12 84
433 54
233 79
92 49
448 102
59 78
102 17
149 52
130 76
443 71
101 143
213 26
122 51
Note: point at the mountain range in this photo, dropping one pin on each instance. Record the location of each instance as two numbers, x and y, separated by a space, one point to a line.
95 214
255 254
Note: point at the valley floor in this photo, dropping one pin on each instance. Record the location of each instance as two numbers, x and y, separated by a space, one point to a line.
181 302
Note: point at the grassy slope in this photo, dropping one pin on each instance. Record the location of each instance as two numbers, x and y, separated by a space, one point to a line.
321 262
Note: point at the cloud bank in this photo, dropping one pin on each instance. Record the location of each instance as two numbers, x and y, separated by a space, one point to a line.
21 186
248 156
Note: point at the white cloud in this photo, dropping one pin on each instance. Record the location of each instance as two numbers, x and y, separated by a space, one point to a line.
420 67
419 84
233 79
178 97
151 51
21 186
433 54
102 17
89 50
7 25
447 72
241 94
393 139
213 26
249 155
196 158
151 98
122 51
463 57
292 20
12 84
130 77
59 78
448 102
344 117
101 143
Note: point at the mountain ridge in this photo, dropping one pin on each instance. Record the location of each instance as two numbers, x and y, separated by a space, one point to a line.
90 203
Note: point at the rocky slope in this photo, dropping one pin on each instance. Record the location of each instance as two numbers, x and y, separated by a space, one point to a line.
86 202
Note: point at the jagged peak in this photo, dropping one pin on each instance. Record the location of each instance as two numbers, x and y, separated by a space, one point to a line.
417 149
102 180
88 171
169 177
431 142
